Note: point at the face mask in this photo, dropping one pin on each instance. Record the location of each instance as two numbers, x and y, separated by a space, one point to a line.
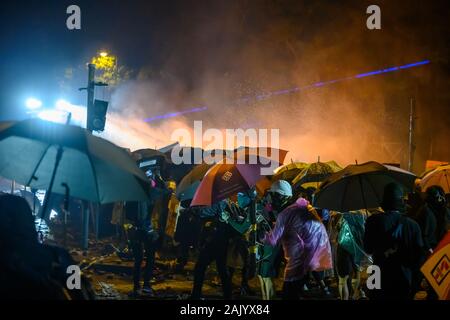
243 200
277 201
268 207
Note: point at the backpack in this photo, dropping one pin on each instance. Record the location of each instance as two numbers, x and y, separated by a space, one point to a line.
402 251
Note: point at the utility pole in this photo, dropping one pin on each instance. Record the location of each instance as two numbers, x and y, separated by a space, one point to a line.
411 135
90 104
95 120
90 95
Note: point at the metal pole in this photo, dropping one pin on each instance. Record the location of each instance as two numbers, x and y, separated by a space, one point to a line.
90 95
52 180
411 136
66 210
89 105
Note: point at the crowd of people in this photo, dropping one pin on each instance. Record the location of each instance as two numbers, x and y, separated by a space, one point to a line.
315 244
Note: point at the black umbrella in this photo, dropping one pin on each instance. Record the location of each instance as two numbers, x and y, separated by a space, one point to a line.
51 156
360 186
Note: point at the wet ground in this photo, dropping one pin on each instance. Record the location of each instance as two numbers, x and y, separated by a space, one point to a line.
111 278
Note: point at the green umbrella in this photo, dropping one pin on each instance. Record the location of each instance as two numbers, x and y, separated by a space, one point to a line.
289 171
316 172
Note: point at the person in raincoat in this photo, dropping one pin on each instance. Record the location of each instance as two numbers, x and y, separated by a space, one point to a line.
305 244
349 253
318 276
277 199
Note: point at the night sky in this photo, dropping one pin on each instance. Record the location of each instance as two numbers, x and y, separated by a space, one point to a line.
232 48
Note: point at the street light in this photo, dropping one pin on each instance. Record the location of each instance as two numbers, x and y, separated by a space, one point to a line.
33 103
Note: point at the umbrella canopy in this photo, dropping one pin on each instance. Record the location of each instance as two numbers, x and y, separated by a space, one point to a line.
439 176
233 175
260 155
224 180
150 153
189 184
316 172
289 171
94 169
360 186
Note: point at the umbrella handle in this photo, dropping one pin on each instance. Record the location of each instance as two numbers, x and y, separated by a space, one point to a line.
52 180
66 209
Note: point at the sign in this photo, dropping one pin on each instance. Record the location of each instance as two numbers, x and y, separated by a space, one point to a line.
147 163
437 269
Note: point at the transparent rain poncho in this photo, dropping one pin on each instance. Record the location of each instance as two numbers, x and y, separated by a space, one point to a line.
304 238
351 235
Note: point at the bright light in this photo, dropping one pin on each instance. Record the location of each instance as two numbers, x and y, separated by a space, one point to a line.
62 104
78 112
33 103
103 54
59 116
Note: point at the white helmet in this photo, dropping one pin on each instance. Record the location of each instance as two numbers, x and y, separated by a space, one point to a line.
282 187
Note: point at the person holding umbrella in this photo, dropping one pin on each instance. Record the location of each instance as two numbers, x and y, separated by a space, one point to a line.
277 199
213 247
434 217
143 238
142 241
395 243
434 222
349 252
186 234
237 216
304 239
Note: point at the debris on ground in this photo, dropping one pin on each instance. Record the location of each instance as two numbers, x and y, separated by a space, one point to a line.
108 292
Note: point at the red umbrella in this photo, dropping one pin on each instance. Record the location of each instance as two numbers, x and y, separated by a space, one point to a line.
228 177
224 180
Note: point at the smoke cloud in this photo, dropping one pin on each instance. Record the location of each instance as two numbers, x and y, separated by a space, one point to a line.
218 53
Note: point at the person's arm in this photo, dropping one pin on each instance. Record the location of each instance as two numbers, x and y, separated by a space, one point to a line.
425 226
275 235
419 246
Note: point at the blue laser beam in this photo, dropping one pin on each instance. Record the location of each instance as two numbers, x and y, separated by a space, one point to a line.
268 95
